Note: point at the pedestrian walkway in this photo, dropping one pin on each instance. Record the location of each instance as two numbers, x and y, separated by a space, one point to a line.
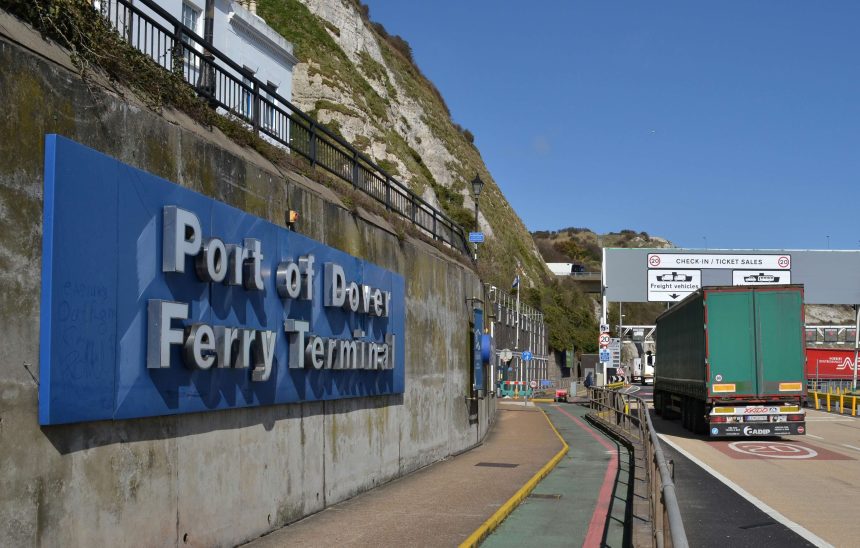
583 501
442 504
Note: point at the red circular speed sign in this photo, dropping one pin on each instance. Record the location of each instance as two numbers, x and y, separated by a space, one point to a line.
603 340
653 260
784 262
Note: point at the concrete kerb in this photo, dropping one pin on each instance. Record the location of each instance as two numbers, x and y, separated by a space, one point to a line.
505 509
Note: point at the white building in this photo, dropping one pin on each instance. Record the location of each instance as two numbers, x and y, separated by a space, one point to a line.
244 37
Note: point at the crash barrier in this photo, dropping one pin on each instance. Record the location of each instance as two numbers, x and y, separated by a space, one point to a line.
514 389
832 399
630 414
844 384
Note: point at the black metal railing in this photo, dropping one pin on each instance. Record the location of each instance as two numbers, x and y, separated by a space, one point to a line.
234 90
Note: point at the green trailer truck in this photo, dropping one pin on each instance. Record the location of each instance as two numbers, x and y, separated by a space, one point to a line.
732 361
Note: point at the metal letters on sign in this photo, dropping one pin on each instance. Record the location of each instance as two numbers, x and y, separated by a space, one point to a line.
672 285
604 339
476 237
527 356
157 300
761 277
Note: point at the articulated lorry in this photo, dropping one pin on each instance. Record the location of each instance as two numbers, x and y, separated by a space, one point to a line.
732 361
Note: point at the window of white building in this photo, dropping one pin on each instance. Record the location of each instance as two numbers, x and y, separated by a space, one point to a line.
190 18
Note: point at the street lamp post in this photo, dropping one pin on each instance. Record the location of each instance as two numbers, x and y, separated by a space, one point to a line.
477 186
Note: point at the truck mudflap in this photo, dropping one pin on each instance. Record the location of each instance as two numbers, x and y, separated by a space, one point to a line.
751 430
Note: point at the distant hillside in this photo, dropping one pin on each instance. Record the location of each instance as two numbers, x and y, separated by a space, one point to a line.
582 245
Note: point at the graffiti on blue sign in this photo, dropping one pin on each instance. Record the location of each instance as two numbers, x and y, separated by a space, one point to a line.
158 300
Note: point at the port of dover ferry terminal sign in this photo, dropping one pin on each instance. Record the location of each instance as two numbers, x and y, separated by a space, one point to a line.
157 300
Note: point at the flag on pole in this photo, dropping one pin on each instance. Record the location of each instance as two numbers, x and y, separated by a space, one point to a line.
516 284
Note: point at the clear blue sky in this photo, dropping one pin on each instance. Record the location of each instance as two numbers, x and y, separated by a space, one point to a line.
737 121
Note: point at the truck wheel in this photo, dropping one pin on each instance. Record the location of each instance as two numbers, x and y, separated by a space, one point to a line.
666 400
700 425
685 413
689 414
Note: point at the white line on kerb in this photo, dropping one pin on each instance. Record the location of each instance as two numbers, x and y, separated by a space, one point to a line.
797 528
851 447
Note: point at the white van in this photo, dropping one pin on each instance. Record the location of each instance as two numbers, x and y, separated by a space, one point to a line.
646 376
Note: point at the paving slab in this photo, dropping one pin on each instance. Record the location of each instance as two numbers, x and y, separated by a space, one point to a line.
442 504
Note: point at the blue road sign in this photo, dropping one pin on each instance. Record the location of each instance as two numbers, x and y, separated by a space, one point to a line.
476 237
605 356
527 356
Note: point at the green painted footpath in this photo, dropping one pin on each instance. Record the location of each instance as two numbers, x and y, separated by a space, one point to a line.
583 501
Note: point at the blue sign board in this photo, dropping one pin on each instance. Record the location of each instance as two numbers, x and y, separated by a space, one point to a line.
605 355
157 300
477 348
527 356
476 237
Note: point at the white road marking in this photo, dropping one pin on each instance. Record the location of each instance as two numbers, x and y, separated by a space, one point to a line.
827 419
851 447
797 528
814 436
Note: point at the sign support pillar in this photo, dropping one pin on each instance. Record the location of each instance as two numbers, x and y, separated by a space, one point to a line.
856 346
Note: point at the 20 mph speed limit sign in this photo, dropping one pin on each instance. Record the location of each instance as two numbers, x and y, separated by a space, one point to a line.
604 339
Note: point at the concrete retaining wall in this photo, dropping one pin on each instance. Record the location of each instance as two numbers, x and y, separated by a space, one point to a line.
223 477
